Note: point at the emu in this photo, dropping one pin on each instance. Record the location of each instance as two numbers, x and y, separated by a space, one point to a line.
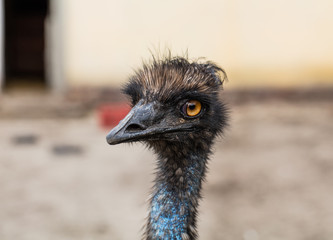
176 112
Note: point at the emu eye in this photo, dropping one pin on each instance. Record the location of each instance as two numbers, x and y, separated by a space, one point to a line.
191 108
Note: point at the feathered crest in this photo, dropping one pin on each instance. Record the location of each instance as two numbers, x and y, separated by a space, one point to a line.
166 75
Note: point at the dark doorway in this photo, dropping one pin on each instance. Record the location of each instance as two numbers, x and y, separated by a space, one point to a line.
25 43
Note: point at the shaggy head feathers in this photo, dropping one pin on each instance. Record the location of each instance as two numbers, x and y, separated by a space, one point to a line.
166 79
170 83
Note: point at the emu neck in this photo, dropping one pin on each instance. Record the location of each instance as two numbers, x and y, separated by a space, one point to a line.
175 195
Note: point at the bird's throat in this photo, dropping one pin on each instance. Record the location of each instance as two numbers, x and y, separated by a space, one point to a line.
175 197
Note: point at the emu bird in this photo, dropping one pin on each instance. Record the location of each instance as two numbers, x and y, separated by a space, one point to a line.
177 113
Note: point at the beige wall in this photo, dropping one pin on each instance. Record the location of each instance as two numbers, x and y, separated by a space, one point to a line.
259 42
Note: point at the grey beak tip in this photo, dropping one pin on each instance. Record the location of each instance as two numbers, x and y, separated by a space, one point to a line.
110 139
132 127
111 142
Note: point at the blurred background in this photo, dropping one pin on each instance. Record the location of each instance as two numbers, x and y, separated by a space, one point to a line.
62 64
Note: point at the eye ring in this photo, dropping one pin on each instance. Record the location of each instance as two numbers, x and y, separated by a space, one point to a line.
192 108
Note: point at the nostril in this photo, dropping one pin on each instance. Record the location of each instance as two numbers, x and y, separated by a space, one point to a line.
134 128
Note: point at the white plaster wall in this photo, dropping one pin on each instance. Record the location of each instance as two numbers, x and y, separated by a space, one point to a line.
258 42
54 52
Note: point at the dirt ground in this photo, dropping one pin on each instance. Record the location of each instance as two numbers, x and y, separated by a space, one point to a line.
271 177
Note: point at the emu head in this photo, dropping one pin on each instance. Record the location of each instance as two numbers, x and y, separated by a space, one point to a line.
173 101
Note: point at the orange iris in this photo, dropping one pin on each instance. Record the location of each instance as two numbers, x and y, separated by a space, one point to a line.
193 108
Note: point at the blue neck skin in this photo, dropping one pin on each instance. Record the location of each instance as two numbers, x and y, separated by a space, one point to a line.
175 199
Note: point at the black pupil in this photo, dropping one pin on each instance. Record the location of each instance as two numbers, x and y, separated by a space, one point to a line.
191 106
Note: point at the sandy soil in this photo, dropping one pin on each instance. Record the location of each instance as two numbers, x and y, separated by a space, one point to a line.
270 178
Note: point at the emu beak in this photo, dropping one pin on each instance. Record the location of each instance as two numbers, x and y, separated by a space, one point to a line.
134 126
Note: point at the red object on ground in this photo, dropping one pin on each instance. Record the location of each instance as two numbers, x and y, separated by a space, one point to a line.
110 114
